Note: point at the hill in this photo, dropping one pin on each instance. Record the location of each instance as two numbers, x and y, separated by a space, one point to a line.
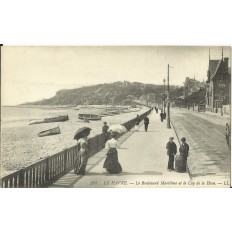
122 93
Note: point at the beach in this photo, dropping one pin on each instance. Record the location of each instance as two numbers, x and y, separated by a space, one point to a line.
20 144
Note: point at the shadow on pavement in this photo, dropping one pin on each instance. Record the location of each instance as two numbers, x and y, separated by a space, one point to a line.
205 174
141 173
123 173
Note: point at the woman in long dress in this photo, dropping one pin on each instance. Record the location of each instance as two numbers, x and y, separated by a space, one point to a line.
83 155
111 163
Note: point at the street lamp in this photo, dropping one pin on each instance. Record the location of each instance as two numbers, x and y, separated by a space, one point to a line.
168 101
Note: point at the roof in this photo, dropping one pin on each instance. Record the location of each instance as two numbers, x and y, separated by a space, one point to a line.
213 67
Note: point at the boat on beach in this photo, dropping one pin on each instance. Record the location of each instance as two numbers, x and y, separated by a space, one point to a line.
60 118
89 117
53 131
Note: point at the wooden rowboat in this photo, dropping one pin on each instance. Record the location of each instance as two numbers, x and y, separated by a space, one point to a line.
60 118
53 131
89 116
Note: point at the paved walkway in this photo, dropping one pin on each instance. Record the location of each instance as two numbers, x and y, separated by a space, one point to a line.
143 159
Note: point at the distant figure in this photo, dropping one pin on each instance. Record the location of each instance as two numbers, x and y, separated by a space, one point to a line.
156 110
137 123
184 151
146 122
105 131
171 151
111 163
83 154
161 116
164 115
228 135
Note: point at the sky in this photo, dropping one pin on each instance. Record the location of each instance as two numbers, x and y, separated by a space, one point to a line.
32 73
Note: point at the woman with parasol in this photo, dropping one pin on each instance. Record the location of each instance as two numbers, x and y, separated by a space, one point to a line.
111 163
82 138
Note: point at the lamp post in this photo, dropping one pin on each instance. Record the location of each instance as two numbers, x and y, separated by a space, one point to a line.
164 95
168 101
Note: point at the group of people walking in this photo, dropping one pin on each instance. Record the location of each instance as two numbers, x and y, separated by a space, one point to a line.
162 114
111 163
146 123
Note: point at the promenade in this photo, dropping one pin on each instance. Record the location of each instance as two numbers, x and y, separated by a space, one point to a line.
142 156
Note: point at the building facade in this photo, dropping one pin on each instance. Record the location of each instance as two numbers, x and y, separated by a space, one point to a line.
218 84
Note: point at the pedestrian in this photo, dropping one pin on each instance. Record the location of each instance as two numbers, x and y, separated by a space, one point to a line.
156 110
137 121
164 115
111 163
171 151
228 136
184 152
161 116
83 155
146 122
105 131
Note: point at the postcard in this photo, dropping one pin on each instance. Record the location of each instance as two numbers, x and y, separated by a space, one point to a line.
115 116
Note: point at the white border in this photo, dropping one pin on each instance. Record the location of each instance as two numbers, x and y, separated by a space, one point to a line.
115 23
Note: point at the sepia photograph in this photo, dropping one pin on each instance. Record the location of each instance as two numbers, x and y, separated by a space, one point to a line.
115 116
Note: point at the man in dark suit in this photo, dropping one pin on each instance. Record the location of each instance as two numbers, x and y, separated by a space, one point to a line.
184 151
171 151
146 122
227 133
161 116
105 131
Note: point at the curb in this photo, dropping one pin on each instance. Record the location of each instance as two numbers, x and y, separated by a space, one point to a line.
188 170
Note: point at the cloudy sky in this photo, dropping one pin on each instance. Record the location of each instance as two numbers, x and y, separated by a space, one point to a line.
34 73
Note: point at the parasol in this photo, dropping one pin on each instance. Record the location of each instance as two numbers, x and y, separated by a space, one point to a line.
117 128
82 132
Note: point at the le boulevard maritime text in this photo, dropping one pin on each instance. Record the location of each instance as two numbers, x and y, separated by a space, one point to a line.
159 183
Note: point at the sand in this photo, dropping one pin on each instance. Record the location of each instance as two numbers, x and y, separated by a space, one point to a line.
20 145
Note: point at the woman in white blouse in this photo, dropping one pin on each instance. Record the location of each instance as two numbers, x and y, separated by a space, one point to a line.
111 163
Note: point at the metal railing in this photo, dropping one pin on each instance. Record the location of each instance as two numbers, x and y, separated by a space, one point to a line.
46 171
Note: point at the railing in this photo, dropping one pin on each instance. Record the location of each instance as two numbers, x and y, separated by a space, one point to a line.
48 170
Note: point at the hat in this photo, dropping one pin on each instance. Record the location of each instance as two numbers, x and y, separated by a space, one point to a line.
171 137
183 139
105 122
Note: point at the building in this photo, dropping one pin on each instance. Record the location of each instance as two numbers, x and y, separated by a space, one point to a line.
218 84
191 85
193 93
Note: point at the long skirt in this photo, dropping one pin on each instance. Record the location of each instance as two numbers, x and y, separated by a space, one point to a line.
81 162
111 163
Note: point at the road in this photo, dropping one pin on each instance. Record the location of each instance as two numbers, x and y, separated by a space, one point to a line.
209 153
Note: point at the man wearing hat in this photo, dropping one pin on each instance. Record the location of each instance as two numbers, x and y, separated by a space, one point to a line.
184 150
105 131
171 151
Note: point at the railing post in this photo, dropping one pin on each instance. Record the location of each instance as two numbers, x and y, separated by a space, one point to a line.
65 160
97 142
47 169
21 178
